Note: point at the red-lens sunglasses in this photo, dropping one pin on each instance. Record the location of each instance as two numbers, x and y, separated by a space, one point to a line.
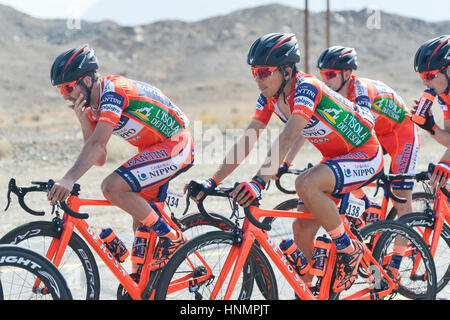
329 74
263 72
67 88
429 75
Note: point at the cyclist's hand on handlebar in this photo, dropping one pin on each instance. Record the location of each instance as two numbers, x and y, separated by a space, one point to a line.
246 192
60 191
207 185
282 169
441 174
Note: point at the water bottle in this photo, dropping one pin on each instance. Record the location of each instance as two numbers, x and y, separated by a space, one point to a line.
425 102
319 255
295 256
114 244
140 244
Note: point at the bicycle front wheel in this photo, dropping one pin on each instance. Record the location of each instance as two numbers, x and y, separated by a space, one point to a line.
423 223
78 265
26 275
195 270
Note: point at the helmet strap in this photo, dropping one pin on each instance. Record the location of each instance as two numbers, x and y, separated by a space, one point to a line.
283 84
88 89
343 81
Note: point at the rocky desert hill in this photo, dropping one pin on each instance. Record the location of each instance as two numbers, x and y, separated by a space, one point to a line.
200 65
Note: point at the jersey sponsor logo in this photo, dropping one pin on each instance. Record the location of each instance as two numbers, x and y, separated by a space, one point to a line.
262 101
304 101
154 173
388 107
347 124
127 128
364 101
358 171
316 129
112 101
405 158
155 116
306 90
148 156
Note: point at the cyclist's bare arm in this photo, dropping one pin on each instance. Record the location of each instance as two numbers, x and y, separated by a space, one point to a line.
240 149
281 146
295 148
92 153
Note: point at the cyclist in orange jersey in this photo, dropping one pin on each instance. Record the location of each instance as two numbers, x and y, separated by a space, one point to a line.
432 62
143 116
341 130
397 134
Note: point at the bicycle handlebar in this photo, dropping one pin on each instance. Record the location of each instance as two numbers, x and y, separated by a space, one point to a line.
419 177
290 171
387 179
194 188
21 192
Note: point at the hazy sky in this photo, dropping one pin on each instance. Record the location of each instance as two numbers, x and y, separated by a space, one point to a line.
133 12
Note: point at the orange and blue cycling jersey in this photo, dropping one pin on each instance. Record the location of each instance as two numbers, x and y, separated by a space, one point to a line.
142 115
444 101
387 106
341 130
397 134
336 126
139 112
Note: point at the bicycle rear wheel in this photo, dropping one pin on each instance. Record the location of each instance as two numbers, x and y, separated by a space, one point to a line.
193 271
370 277
19 270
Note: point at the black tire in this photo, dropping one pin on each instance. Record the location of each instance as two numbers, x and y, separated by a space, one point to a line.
37 236
422 220
215 246
420 289
16 265
420 201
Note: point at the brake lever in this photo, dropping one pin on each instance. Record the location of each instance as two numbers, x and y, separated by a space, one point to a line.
378 187
188 202
8 195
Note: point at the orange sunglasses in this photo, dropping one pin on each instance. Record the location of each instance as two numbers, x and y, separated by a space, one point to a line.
329 74
263 72
429 75
67 88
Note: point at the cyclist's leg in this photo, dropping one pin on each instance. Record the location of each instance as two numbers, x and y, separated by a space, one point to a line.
402 144
138 180
305 231
339 175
